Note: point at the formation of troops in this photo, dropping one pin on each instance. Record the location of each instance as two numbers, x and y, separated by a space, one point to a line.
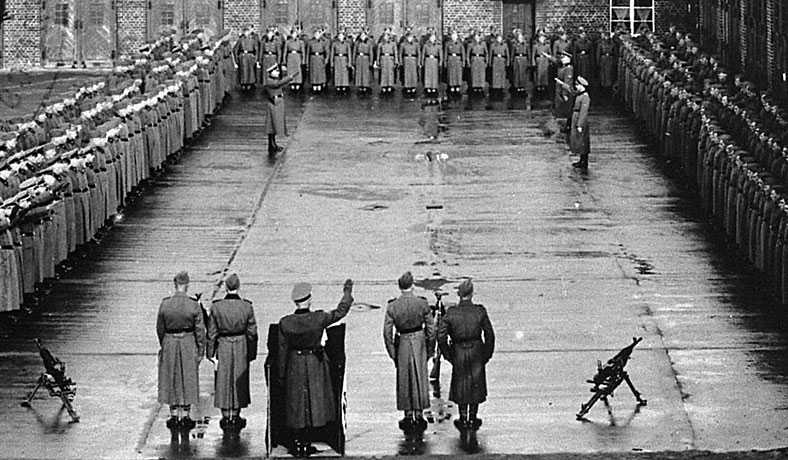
225 331
69 169
729 140
474 60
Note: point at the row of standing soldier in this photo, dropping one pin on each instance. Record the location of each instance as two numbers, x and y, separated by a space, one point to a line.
475 59
68 171
729 141
464 335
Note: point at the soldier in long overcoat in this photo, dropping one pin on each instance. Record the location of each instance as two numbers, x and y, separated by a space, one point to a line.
318 54
363 56
275 106
409 336
309 395
606 60
432 62
269 53
521 61
541 61
181 332
340 62
499 63
477 62
293 59
467 340
245 53
563 101
387 60
232 340
410 58
454 61
579 137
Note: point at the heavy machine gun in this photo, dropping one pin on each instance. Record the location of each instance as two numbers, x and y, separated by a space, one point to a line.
608 377
55 381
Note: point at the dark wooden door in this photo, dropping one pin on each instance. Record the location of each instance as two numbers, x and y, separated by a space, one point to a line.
316 13
58 34
165 15
207 15
96 27
519 14
383 14
281 13
421 14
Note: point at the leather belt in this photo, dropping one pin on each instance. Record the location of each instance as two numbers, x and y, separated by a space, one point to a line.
295 52
270 53
411 330
499 55
411 55
584 52
520 55
431 56
277 96
454 54
387 54
318 54
308 351
477 55
231 334
340 55
7 247
460 342
248 52
179 331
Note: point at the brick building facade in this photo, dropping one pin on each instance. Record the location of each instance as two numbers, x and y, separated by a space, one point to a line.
749 33
751 36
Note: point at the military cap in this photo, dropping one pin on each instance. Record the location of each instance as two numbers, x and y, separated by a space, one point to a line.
465 288
272 68
232 283
301 292
405 281
582 81
181 278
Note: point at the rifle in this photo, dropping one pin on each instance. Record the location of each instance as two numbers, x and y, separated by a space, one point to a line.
438 310
55 380
609 377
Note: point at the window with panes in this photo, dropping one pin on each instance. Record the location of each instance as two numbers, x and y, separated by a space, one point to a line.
632 15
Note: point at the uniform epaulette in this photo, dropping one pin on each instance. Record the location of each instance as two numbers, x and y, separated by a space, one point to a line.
166 298
247 300
391 300
216 300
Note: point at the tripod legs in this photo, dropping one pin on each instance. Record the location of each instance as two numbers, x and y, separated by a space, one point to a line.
636 393
32 394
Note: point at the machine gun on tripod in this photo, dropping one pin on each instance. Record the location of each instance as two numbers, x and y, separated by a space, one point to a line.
55 381
439 412
609 377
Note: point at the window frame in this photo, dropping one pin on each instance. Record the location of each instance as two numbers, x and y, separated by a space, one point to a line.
632 19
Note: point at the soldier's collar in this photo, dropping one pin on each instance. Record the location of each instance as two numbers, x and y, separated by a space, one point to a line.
301 311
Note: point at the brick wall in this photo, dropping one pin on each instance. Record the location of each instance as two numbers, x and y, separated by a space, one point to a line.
240 13
682 14
352 14
571 14
132 16
465 14
22 34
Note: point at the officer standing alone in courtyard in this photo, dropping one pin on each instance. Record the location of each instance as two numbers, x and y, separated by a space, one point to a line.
579 137
275 122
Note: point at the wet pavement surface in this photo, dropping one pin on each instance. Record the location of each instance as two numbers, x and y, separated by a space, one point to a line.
570 266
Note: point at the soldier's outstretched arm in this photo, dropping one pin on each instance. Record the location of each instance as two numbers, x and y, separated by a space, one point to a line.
344 305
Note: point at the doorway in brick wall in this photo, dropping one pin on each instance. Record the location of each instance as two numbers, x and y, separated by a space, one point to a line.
78 32
309 15
419 15
521 15
184 16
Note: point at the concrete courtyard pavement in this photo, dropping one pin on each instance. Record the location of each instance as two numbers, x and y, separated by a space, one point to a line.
569 266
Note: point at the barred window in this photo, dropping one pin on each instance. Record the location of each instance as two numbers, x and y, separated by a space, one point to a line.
632 15
281 12
62 14
386 12
95 14
168 14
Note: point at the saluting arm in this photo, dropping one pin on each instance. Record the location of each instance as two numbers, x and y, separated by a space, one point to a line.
344 305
